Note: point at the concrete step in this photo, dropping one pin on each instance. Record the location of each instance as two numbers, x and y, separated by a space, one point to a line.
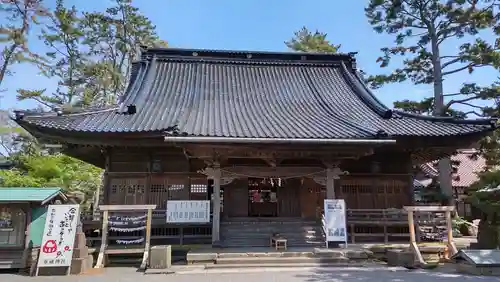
298 265
278 260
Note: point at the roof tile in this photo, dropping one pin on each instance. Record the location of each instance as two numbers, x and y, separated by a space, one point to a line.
235 97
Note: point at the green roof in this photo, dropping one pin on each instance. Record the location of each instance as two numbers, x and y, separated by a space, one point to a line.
28 194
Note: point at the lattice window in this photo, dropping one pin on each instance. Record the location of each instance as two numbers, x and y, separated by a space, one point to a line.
175 187
158 188
198 188
130 190
176 191
127 191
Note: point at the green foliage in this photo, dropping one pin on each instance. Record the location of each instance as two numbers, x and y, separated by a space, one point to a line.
91 54
18 18
114 36
40 168
485 194
307 41
420 29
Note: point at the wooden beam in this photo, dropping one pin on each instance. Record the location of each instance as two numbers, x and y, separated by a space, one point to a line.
126 207
429 208
274 172
274 152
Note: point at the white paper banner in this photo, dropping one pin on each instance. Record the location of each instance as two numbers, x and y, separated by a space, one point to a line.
335 216
188 211
59 236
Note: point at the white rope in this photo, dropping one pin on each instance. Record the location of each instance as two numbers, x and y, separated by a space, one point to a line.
130 229
124 223
130 242
260 176
127 218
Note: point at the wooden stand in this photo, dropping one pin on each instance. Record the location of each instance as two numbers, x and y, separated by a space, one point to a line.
279 242
452 249
101 259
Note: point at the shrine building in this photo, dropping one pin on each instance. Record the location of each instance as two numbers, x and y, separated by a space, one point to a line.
265 135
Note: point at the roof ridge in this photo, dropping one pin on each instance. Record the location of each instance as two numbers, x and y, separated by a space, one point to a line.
135 86
365 94
247 55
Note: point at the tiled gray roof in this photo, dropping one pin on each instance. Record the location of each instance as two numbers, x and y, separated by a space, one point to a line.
252 94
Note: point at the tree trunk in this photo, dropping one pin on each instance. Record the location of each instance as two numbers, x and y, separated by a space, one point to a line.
444 165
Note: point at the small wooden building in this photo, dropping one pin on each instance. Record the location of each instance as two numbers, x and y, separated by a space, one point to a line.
22 220
275 132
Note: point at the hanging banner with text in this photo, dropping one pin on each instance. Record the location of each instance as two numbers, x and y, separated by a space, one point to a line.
59 236
335 217
188 211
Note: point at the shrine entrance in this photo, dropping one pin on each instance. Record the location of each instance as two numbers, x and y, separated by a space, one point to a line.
273 197
262 197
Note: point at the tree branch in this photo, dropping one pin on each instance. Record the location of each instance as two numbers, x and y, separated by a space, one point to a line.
474 113
452 94
451 62
458 69
462 101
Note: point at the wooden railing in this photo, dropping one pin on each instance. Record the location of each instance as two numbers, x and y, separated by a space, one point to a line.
387 224
161 231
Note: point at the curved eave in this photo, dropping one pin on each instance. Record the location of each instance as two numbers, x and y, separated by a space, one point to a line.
64 136
369 98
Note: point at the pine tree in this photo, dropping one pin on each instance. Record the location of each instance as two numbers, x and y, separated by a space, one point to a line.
307 41
421 29
19 16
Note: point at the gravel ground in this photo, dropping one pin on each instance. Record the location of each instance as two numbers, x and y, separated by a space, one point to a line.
262 275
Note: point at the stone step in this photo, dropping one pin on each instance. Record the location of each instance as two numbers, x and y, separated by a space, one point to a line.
270 232
266 229
283 227
266 219
267 226
270 224
257 232
246 243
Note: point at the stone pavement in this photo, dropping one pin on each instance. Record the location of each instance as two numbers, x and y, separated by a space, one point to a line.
375 274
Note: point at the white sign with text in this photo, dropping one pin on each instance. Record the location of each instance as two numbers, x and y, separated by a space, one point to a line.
188 211
335 217
59 236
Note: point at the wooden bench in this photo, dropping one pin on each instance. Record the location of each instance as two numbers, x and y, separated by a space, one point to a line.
278 242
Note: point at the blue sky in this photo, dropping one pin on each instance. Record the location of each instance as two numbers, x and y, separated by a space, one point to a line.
256 25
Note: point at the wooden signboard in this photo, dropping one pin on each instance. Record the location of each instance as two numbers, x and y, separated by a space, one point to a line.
58 237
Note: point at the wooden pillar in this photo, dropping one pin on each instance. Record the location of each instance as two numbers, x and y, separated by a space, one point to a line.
101 258
452 249
330 183
216 204
147 245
